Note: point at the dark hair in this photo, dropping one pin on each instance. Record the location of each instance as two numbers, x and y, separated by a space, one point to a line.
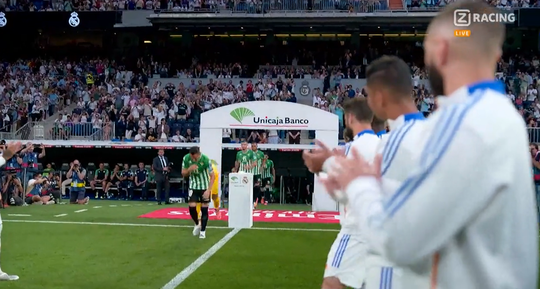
378 124
390 73
348 134
194 150
359 108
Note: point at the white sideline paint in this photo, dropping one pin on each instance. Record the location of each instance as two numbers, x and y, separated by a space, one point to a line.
61 215
112 206
96 207
163 225
19 215
126 205
182 276
80 211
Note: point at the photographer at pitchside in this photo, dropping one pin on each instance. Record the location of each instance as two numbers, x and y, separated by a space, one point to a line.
77 190
34 191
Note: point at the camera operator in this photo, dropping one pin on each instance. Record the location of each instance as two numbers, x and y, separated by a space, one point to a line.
34 193
77 190
12 189
30 159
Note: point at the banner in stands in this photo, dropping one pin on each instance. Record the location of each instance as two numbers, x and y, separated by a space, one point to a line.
59 20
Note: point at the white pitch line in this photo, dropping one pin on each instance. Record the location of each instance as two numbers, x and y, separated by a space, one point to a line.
126 205
96 207
164 226
112 206
19 215
182 276
61 215
80 211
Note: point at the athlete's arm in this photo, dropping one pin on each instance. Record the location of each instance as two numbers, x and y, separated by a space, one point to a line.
273 172
438 199
185 167
212 175
96 174
237 161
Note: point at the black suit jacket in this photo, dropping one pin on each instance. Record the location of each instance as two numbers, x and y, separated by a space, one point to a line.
158 167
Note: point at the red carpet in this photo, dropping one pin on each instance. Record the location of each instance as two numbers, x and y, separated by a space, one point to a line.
258 216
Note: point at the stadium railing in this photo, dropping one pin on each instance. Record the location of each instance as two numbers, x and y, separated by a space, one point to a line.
36 130
272 6
534 134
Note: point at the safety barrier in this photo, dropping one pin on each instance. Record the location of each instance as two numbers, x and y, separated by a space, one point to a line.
35 130
269 6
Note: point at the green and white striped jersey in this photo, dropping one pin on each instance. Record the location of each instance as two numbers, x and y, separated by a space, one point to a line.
199 179
245 159
258 157
267 169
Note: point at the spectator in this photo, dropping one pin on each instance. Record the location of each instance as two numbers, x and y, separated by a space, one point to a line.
294 137
226 135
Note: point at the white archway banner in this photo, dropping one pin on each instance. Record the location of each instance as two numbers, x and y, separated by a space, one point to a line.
279 115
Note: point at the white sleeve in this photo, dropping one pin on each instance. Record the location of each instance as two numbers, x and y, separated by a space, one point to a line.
437 199
31 183
2 161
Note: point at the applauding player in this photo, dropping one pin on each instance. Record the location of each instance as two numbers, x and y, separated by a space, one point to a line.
199 169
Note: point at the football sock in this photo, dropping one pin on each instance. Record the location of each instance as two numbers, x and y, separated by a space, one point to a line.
199 210
204 218
194 215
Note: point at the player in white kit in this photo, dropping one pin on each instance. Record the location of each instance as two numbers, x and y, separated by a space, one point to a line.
465 217
389 87
345 265
7 154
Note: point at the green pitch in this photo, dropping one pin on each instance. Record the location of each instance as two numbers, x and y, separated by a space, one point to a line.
107 246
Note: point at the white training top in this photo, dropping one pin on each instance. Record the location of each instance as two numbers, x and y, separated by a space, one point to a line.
366 143
466 215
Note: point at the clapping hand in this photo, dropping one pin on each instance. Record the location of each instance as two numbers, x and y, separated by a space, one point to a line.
315 158
193 168
11 149
346 170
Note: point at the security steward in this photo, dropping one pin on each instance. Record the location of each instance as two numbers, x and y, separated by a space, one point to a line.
77 190
100 178
127 180
89 80
141 181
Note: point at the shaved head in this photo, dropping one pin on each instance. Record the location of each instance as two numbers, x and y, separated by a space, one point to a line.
485 37
444 51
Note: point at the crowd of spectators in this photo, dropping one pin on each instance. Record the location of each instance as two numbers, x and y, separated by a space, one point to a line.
247 6
120 105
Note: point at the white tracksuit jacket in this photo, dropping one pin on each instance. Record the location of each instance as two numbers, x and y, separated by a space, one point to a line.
465 217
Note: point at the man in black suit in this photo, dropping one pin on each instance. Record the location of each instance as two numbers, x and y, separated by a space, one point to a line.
161 170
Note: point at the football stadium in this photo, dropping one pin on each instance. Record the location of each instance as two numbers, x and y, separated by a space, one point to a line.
115 101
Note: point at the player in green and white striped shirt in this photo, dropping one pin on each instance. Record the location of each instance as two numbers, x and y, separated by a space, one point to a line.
258 157
256 170
268 177
201 176
244 159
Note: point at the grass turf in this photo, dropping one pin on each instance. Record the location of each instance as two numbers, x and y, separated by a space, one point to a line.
91 256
